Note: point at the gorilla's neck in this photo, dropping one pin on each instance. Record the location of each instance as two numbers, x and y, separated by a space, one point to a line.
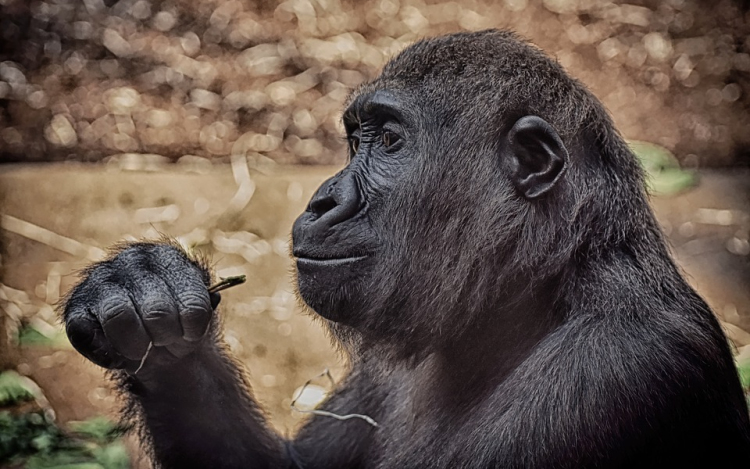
473 364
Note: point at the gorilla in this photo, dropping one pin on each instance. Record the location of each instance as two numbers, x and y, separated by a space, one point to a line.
488 261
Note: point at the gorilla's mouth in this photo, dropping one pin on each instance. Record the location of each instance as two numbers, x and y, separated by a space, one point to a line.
328 261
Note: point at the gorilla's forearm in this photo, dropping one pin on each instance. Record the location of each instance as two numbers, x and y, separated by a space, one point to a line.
199 413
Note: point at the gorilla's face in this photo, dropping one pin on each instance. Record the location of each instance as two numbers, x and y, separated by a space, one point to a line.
339 240
445 204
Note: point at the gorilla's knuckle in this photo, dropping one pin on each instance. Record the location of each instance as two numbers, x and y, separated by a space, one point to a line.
145 255
171 256
156 314
133 254
197 301
75 309
157 308
99 273
115 306
194 314
167 251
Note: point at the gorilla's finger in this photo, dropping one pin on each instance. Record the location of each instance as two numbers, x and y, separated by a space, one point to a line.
121 323
161 320
187 281
158 310
195 315
86 335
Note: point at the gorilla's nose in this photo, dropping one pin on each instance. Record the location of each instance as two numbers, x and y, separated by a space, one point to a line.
336 201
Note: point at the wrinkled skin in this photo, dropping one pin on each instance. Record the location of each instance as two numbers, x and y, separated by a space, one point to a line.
337 241
488 260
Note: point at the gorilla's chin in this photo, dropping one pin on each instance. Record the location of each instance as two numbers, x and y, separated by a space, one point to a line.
331 287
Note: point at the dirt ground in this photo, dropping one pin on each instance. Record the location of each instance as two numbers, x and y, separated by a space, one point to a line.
242 218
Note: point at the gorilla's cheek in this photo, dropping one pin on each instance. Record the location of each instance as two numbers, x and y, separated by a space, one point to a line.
333 287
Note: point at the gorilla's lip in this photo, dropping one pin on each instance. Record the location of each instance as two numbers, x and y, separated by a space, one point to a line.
330 261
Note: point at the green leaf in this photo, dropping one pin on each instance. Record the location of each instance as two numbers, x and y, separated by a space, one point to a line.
744 370
653 156
113 456
100 429
43 442
671 181
29 336
26 434
13 389
663 173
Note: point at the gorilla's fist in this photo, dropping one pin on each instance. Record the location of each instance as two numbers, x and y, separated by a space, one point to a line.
148 300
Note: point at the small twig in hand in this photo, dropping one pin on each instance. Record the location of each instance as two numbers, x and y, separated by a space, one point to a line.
225 283
143 360
324 413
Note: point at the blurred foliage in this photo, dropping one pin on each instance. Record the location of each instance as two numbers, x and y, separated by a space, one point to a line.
26 434
743 367
99 429
29 437
663 173
28 335
31 441
13 389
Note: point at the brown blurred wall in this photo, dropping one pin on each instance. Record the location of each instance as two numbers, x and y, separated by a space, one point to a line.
86 80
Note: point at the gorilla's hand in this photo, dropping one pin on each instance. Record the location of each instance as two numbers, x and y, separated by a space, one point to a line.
145 308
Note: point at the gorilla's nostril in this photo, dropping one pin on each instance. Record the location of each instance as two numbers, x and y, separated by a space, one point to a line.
322 205
337 200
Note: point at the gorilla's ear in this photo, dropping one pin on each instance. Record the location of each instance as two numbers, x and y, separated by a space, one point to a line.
537 156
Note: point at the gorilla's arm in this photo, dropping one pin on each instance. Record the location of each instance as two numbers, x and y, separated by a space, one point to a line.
223 427
326 442
146 314
200 413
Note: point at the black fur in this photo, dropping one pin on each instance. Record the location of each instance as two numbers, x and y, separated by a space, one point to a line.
489 261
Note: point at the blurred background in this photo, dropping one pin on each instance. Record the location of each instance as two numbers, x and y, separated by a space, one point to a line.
214 121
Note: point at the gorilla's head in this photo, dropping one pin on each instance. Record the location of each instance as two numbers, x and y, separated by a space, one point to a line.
475 175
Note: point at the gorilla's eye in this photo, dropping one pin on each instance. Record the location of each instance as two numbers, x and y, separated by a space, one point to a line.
353 144
389 138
